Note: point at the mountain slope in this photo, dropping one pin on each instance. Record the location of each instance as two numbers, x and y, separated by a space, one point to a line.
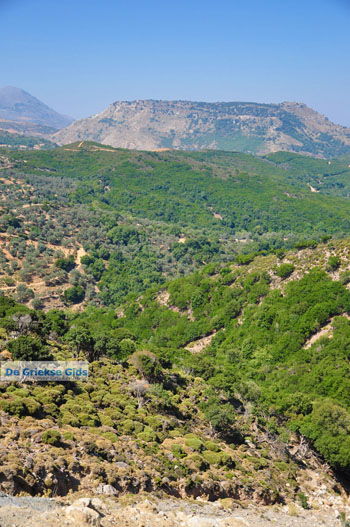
24 113
259 414
233 126
275 330
144 217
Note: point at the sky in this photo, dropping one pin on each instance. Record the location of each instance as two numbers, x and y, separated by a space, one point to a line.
78 56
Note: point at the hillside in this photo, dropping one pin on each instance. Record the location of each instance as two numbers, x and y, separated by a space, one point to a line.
213 305
256 413
110 222
21 112
23 142
232 126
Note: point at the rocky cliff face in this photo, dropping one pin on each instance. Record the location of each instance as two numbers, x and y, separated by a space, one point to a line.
234 126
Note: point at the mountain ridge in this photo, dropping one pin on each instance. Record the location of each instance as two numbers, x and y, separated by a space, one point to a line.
259 128
22 112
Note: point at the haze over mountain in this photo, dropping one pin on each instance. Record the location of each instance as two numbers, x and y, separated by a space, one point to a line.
21 112
233 126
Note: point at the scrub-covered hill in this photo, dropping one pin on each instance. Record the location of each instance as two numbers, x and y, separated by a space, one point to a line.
87 223
231 382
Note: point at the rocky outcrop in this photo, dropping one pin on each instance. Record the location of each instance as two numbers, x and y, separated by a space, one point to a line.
232 126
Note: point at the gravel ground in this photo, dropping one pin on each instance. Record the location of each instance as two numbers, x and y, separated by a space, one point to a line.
95 512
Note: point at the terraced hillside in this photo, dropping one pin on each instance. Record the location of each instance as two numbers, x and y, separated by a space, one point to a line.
88 223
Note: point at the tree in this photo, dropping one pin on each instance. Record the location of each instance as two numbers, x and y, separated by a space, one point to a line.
28 348
147 365
81 338
67 264
74 295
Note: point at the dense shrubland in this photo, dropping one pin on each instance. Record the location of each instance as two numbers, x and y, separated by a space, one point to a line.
142 218
133 248
262 353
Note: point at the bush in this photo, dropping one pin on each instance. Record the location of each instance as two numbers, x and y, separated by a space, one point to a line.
345 278
178 451
51 437
285 270
213 447
74 295
13 406
127 346
88 419
68 436
23 293
333 263
306 244
194 443
147 365
303 500
67 264
220 415
148 435
245 259
213 458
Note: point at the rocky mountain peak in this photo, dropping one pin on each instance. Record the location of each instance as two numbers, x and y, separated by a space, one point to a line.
191 125
19 106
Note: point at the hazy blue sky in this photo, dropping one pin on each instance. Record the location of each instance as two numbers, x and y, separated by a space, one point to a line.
80 55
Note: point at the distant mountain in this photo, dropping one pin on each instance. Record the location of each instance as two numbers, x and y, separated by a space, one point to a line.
233 126
23 113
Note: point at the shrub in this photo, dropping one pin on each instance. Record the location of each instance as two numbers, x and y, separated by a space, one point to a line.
68 436
67 418
213 447
285 270
178 451
88 419
74 295
148 435
127 346
220 415
345 277
51 437
194 443
303 500
333 263
111 436
129 427
197 462
147 364
67 264
245 259
213 458
23 293
37 303
31 405
13 406
306 244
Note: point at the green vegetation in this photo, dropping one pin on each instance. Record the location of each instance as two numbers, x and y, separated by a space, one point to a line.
210 342
284 270
11 140
144 217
